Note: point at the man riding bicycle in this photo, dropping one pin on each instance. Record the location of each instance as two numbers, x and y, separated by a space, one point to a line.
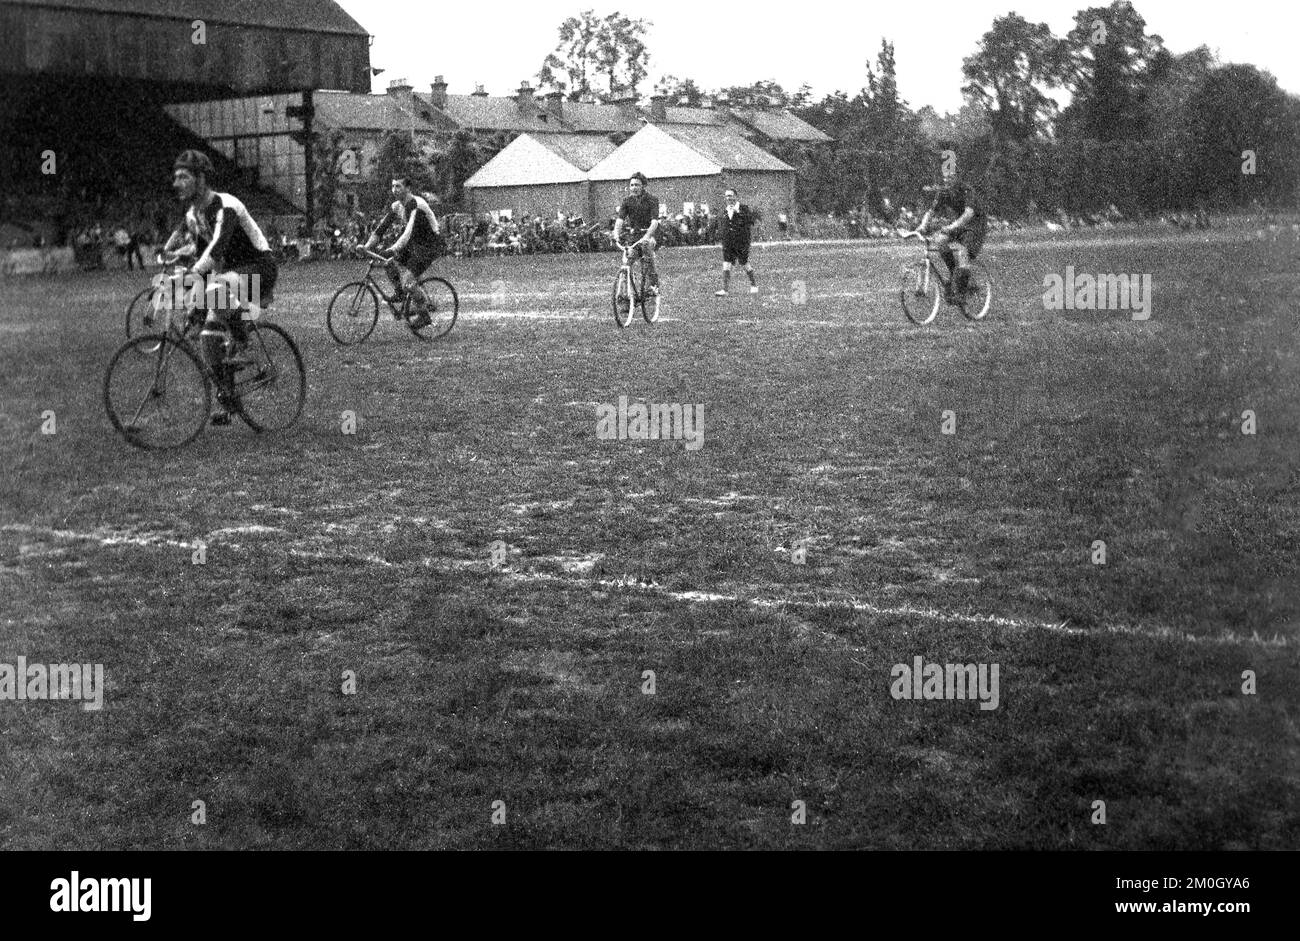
231 248
414 250
640 212
964 236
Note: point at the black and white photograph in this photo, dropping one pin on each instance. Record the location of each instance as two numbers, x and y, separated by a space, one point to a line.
557 426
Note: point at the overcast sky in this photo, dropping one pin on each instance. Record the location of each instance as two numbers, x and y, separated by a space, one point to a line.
499 42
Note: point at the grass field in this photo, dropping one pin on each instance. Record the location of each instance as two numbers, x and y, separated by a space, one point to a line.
525 682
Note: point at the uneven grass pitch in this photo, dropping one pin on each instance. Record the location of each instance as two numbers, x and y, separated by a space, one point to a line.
526 682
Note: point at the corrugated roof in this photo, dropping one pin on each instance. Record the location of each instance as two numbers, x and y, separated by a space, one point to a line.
366 112
318 16
526 162
781 125
491 113
583 151
723 147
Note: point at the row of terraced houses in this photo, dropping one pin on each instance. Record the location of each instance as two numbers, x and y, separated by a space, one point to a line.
552 155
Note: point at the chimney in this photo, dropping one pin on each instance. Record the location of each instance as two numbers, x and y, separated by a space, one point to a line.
439 94
479 92
403 93
658 108
555 106
526 102
625 102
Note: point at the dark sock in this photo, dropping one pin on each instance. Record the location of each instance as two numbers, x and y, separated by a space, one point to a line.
752 280
726 280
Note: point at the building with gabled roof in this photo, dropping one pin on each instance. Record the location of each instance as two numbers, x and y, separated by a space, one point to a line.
539 173
693 164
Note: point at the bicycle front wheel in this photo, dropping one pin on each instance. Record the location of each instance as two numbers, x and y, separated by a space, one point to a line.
623 298
270 381
979 293
442 309
156 393
142 318
352 313
920 292
647 300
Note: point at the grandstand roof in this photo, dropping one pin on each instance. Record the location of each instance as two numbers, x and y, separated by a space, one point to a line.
319 16
666 150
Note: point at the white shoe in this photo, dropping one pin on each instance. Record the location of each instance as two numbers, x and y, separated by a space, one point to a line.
722 293
753 289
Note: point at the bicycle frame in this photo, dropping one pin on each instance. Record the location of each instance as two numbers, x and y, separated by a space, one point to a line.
931 253
380 261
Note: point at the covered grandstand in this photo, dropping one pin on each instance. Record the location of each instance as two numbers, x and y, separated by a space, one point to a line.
88 81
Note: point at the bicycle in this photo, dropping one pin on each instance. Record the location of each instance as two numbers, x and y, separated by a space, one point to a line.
141 313
925 283
351 320
630 288
158 386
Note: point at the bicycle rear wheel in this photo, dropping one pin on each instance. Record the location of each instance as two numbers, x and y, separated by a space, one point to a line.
270 381
352 313
920 292
979 293
160 399
442 309
623 298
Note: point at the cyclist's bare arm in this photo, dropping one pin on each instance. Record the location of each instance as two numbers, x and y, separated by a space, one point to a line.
960 221
618 231
404 239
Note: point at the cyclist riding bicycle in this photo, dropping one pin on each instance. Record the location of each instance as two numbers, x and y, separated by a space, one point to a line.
414 250
964 236
233 250
639 212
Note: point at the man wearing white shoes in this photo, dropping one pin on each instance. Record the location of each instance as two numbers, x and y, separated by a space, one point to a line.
737 224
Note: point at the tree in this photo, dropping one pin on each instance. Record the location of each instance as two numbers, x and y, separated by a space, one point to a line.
759 93
679 90
327 152
1107 64
1009 74
399 156
591 48
453 166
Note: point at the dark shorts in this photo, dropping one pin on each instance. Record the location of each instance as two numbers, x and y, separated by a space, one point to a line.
267 271
972 236
735 253
416 258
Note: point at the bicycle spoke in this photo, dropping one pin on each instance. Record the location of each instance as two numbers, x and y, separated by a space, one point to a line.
270 382
156 401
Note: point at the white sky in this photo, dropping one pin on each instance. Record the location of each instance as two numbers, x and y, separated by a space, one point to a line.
822 42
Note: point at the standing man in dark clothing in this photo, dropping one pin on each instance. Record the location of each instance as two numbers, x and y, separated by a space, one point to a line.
639 213
737 224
